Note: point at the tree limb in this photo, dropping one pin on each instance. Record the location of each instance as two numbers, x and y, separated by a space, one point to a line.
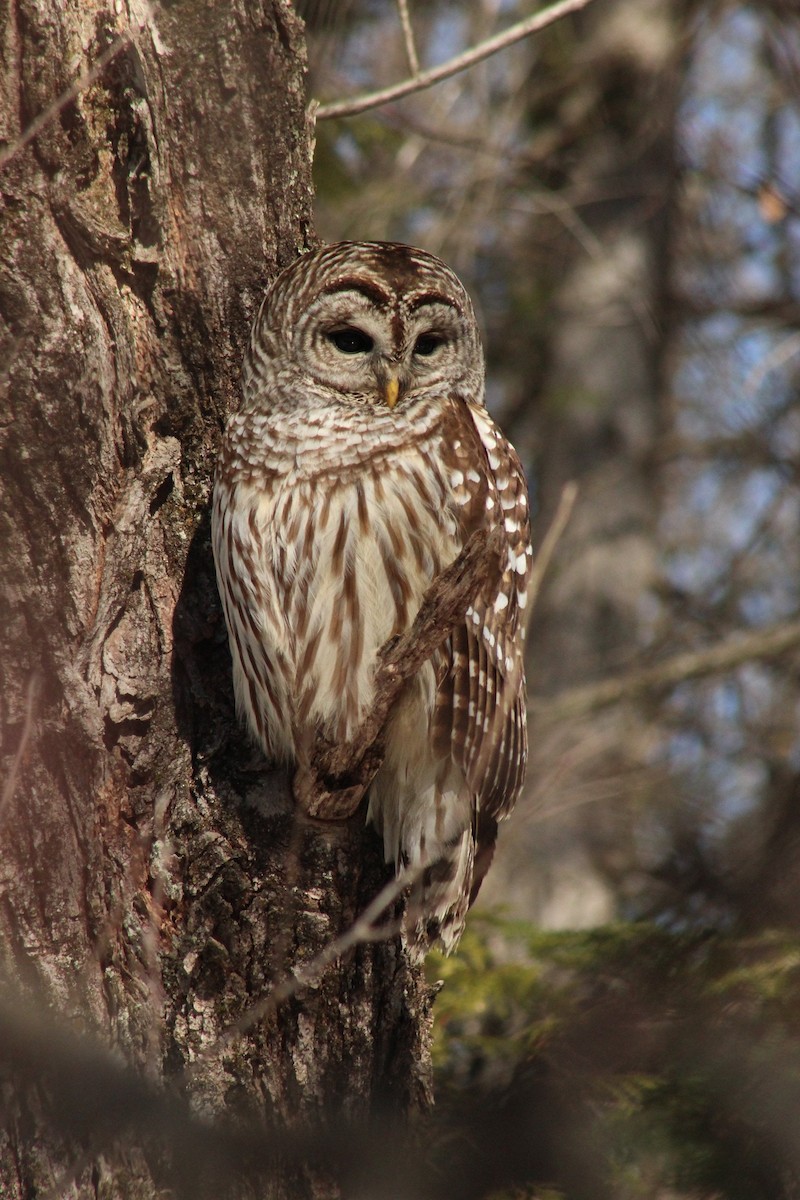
408 36
426 79
541 562
723 656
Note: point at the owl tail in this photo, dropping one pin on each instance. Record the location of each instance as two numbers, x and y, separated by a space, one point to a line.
439 902
429 820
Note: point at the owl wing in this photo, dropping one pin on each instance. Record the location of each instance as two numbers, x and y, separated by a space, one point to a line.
480 704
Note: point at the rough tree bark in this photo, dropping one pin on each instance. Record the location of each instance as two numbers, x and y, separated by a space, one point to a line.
155 879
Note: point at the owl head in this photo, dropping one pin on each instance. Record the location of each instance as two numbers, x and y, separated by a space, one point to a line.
367 323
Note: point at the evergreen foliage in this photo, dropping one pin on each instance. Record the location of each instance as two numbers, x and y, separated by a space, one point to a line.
644 1061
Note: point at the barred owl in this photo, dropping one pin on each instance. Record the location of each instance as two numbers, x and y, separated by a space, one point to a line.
360 462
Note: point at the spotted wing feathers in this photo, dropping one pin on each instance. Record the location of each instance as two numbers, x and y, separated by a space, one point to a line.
480 708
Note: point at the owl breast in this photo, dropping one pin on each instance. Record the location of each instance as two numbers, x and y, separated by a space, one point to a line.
339 550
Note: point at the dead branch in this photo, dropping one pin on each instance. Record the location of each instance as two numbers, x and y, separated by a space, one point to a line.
408 36
365 928
425 79
541 562
731 652
31 699
332 781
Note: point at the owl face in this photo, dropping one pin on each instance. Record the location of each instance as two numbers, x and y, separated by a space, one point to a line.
372 323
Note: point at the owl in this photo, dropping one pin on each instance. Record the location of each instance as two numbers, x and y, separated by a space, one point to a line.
360 462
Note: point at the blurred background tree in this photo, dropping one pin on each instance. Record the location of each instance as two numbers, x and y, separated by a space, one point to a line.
620 194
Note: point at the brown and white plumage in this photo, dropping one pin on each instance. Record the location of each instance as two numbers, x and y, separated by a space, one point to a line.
359 464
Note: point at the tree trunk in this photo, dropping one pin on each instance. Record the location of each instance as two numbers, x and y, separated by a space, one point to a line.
155 880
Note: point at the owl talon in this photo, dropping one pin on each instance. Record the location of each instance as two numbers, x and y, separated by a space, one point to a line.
329 785
337 806
317 801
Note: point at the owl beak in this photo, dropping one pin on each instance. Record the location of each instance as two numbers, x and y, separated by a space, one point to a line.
391 390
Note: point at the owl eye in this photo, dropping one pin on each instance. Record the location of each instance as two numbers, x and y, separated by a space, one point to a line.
351 341
426 343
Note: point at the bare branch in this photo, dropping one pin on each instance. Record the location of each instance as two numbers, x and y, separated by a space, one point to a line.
426 79
723 656
408 37
94 1098
786 349
9 787
364 929
551 539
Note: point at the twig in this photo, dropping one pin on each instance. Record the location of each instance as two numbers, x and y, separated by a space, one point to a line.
364 929
551 539
10 785
786 349
84 80
724 656
408 36
426 79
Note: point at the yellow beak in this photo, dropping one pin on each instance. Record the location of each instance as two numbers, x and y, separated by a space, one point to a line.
391 390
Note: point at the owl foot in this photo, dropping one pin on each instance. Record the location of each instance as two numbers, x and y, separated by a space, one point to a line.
332 797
